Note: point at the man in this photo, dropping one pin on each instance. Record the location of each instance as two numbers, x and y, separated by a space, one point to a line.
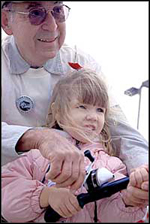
34 57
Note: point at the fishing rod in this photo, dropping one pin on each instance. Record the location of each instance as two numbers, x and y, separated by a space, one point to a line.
97 185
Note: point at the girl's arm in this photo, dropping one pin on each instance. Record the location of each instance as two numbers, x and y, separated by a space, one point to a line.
137 187
21 188
114 209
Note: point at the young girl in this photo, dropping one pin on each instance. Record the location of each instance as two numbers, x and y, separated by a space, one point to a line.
78 110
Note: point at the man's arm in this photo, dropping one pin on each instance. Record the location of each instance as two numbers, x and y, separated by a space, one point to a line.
130 145
66 161
132 149
10 136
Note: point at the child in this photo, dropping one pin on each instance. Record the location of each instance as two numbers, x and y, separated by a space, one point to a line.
79 109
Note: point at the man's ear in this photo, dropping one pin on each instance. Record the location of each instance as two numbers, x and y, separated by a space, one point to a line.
5 23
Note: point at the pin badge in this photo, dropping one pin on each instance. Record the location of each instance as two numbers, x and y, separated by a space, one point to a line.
24 104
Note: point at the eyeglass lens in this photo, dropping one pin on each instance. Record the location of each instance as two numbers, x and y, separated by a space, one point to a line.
37 16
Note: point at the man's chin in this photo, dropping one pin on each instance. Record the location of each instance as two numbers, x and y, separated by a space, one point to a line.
49 55
52 54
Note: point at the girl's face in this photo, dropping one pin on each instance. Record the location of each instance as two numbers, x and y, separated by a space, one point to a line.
90 119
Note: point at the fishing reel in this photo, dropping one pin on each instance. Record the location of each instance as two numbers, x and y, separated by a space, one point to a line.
98 184
95 177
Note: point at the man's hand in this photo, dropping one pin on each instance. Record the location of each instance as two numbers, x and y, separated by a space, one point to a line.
136 193
66 161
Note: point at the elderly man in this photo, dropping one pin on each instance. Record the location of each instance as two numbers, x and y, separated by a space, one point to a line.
34 57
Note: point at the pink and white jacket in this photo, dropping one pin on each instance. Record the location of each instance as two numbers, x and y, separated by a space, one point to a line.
22 186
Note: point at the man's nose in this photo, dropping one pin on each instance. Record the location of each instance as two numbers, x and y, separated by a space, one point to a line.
50 22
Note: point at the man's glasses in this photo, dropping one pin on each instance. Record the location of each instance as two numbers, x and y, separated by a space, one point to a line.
38 15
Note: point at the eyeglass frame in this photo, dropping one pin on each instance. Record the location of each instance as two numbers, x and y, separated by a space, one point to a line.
46 13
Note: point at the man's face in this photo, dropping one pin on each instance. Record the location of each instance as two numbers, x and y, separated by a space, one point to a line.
37 43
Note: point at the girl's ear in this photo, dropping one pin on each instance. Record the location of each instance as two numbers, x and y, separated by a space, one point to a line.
5 23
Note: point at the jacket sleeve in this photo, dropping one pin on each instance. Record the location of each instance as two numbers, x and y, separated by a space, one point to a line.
20 191
113 209
10 136
129 144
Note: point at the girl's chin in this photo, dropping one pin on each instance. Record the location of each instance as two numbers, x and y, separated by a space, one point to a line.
89 137
85 140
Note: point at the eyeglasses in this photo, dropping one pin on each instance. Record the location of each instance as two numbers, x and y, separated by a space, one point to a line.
38 15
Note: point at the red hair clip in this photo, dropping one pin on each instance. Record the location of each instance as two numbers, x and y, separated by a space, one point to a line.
75 65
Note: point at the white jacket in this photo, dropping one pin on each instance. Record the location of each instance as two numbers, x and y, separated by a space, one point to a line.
19 81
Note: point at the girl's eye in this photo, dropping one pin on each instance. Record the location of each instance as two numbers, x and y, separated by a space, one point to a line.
101 110
82 107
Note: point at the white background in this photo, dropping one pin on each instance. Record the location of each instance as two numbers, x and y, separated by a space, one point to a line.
116 35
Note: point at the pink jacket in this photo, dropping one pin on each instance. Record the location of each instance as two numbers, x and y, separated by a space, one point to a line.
21 188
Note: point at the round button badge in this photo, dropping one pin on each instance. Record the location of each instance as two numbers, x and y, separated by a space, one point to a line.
24 104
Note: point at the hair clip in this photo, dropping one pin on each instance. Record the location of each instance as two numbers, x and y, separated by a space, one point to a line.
75 65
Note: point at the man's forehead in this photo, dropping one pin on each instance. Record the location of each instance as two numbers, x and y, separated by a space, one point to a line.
53 2
5 3
38 2
29 4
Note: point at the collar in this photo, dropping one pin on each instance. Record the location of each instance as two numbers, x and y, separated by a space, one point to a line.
19 66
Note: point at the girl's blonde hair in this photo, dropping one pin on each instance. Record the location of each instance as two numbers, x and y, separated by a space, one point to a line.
88 88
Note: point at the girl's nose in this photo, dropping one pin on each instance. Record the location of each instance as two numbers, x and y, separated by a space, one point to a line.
91 117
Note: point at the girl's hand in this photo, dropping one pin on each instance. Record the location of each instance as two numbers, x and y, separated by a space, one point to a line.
138 176
136 193
63 201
